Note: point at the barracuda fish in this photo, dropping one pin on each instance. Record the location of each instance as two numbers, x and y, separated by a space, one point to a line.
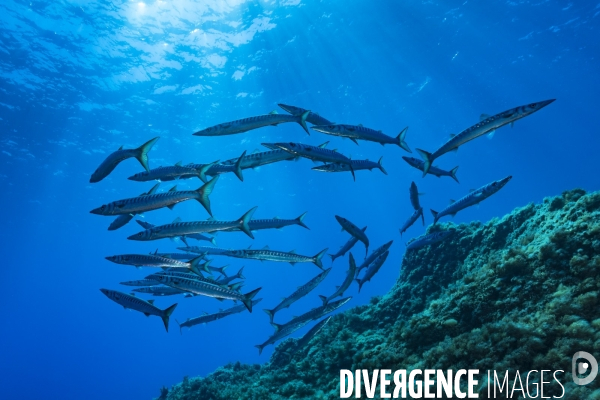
124 219
414 194
359 132
302 291
110 163
376 253
316 153
140 282
188 228
176 256
354 231
206 289
206 318
304 340
346 247
159 290
258 159
274 223
339 292
146 307
220 270
316 313
170 173
372 270
197 236
227 279
411 220
183 275
278 256
487 125
471 199
138 205
206 250
153 260
426 240
312 117
280 333
433 170
247 124
357 165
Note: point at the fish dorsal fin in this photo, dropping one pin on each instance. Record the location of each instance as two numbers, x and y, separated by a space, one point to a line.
360 125
204 313
151 301
293 251
276 326
379 131
132 293
173 189
176 220
337 287
155 252
483 116
121 148
154 189
146 314
276 217
512 124
452 135
471 190
178 164
265 248
211 219
274 112
452 201
323 145
249 247
255 151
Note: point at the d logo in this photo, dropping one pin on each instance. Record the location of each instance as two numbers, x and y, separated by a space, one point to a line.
582 367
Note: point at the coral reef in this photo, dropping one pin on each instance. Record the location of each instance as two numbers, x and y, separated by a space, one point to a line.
517 293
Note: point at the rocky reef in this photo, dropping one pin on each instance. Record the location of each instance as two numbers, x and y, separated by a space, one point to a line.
516 293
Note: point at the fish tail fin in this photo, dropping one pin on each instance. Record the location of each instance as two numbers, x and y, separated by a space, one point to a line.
302 121
244 222
352 171
213 240
194 263
142 153
333 257
318 257
380 165
166 314
453 173
323 299
239 274
260 348
270 313
401 136
247 298
422 217
204 191
222 270
435 215
180 328
238 167
300 221
359 284
427 160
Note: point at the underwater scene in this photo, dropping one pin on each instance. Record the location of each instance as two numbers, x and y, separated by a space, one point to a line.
300 199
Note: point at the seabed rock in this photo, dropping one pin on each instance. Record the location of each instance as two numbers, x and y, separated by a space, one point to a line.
517 293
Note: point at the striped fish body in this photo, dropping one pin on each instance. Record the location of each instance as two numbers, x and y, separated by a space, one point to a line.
138 205
263 158
298 294
273 223
278 256
177 256
120 221
429 239
197 236
164 174
345 284
353 230
346 247
198 287
356 132
314 153
110 163
216 251
471 199
413 218
281 332
141 282
319 312
247 124
147 260
373 256
312 117
372 269
183 275
304 340
433 170
203 319
159 290
357 165
184 229
414 196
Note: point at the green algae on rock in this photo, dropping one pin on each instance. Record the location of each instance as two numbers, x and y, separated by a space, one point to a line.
517 293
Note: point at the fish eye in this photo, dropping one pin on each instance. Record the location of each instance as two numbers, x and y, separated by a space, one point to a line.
533 105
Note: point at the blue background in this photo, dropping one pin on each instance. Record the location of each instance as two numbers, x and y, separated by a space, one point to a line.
78 79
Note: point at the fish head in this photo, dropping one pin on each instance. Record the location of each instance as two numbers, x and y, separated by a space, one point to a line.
138 176
495 186
289 147
96 177
108 293
533 107
157 277
102 210
142 236
116 259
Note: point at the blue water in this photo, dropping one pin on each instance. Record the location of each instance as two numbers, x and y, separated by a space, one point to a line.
78 79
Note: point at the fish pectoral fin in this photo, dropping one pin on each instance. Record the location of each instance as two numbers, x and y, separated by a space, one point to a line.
171 206
146 314
293 263
483 116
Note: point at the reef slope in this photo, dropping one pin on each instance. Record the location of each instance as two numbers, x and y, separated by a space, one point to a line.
516 293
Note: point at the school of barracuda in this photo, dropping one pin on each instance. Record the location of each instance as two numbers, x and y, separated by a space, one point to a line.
191 274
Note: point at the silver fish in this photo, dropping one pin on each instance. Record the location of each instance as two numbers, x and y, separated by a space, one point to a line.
312 117
246 124
357 165
159 290
124 219
152 260
302 291
169 173
315 313
345 284
184 275
354 231
426 240
433 170
215 251
206 289
315 153
414 196
109 164
274 223
206 318
138 205
280 333
376 253
346 247
188 228
146 307
372 270
304 340
279 256
487 125
471 199
227 279
177 256
411 220
258 159
359 132
197 236
140 282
